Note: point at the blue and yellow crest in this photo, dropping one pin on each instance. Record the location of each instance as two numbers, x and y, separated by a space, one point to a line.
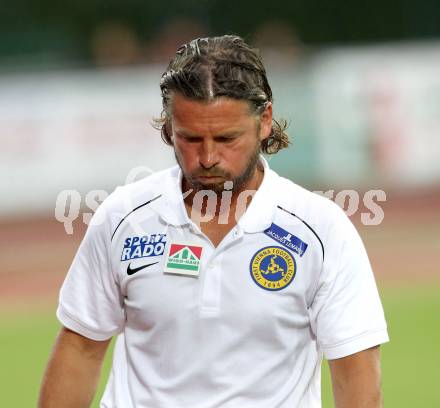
273 268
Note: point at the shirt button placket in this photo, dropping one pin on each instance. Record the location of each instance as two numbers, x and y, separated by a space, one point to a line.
211 285
211 288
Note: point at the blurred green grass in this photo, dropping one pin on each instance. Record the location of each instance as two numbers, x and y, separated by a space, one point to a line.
410 362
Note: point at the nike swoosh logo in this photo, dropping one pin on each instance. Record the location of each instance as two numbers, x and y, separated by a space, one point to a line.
131 271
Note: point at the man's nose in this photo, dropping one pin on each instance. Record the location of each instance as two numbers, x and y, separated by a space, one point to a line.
208 156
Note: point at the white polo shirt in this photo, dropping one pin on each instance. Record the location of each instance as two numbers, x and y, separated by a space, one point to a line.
245 324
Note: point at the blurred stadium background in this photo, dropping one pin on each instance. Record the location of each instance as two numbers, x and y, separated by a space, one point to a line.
359 83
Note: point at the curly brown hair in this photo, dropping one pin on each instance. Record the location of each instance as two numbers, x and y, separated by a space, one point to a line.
207 68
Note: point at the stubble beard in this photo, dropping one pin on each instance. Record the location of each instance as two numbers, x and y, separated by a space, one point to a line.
237 183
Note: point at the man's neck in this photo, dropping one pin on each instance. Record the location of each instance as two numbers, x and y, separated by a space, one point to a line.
230 205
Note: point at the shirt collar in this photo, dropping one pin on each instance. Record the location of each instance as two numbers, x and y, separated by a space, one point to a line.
261 210
258 215
172 208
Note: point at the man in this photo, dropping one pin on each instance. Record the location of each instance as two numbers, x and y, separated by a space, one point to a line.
225 283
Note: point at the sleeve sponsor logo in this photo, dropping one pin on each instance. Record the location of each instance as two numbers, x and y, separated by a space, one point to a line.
286 239
143 246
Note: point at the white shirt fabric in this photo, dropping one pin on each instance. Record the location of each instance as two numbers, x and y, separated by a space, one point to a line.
221 339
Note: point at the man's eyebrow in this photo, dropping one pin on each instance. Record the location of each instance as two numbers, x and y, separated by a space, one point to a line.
228 133
186 133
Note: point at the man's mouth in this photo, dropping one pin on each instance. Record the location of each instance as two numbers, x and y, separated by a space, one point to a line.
208 178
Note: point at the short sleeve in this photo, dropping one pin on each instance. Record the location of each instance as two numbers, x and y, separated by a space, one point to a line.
346 313
90 301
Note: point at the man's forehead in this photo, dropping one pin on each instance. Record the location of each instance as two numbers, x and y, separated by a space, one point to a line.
216 131
220 103
222 111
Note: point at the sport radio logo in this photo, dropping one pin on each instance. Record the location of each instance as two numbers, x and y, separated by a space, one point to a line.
143 246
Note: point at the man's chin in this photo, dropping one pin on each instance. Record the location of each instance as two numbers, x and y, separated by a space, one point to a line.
215 187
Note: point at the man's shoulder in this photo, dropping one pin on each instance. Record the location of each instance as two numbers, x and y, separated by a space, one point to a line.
297 197
147 188
130 197
309 206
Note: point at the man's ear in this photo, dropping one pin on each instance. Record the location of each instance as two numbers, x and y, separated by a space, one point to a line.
168 130
266 122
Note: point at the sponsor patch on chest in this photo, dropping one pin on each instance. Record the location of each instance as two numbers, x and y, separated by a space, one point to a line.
183 259
286 239
143 246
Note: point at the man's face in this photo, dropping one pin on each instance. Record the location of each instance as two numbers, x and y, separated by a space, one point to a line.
217 141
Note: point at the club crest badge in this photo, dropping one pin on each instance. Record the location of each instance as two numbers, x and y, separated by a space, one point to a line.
273 268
